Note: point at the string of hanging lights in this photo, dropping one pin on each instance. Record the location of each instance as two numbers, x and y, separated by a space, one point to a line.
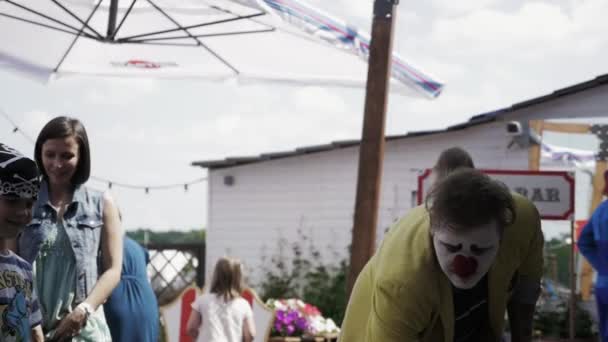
112 183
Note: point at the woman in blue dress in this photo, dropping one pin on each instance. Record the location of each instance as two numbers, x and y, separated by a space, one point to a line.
593 245
132 309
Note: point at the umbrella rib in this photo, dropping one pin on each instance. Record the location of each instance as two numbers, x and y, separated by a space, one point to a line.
230 12
189 27
45 25
215 54
123 19
77 18
42 15
76 38
203 35
162 44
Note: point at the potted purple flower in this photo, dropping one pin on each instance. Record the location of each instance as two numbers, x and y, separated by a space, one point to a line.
289 325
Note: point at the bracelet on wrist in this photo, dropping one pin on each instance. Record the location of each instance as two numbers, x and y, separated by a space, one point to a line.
86 308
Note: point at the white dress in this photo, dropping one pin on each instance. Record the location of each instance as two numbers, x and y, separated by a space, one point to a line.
222 322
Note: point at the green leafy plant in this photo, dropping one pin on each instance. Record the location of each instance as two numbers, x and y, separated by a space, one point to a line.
554 321
326 289
282 273
300 273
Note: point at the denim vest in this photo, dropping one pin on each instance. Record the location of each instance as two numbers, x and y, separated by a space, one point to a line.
83 220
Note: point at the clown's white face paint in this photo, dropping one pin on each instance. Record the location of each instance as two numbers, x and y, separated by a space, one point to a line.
465 257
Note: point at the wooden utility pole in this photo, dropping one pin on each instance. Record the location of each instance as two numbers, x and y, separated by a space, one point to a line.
371 150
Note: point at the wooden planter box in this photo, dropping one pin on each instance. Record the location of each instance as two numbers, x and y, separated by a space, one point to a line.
556 339
330 337
284 339
325 338
300 339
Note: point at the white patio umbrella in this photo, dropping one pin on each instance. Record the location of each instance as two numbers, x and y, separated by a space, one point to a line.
247 40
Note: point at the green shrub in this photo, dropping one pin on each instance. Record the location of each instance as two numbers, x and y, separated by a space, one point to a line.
555 321
300 273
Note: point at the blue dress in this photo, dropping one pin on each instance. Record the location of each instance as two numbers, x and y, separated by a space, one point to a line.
593 245
132 309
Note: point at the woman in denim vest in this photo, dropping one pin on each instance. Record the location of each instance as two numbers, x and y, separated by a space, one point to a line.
74 239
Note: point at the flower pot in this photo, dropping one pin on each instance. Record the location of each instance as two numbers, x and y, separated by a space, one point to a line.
331 337
284 339
556 339
307 338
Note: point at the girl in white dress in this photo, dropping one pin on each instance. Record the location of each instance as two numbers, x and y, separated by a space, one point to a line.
222 315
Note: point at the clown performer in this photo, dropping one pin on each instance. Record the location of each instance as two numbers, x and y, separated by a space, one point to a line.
593 244
448 270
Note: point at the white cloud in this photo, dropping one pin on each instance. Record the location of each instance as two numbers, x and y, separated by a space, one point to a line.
493 32
317 101
536 32
361 9
227 124
113 91
32 121
455 8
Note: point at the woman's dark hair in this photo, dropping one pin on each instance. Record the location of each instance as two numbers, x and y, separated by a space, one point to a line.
227 279
468 198
63 127
450 160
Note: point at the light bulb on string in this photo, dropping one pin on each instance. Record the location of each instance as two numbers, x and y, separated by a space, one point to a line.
110 184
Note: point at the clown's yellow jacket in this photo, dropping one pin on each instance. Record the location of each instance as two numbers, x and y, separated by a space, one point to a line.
403 296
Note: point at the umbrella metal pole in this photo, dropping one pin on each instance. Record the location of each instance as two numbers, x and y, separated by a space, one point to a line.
371 150
112 14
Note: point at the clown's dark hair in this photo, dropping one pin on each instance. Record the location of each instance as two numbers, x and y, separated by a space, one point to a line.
468 198
451 160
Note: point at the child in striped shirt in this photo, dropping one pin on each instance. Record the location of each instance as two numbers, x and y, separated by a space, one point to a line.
20 316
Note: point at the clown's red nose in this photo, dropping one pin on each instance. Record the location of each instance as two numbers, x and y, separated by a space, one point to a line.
464 267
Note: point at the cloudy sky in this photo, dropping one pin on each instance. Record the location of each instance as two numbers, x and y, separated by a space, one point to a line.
490 54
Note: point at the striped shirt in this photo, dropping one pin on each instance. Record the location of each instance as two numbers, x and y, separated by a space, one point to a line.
19 307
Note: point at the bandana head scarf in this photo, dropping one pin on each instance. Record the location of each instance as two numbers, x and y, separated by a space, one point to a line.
19 176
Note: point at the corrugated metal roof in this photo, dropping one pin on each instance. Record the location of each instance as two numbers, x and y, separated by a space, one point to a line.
473 121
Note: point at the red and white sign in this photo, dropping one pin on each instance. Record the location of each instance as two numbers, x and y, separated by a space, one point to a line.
552 192
143 64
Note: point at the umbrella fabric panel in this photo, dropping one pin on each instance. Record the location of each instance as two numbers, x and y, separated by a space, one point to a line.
35 48
337 32
250 40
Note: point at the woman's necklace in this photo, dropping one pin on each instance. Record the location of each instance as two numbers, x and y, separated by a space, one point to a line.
60 206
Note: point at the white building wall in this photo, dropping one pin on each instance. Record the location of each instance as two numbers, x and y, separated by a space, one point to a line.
316 194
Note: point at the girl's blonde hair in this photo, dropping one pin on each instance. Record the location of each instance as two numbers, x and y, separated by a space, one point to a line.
227 279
